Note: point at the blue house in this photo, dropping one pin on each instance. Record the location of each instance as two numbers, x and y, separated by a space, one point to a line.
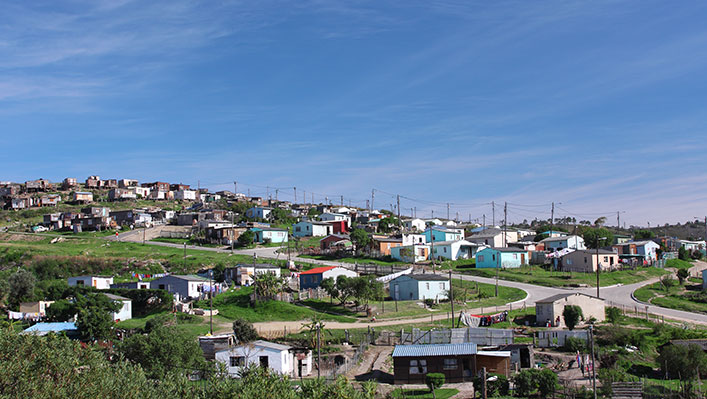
501 257
258 212
275 235
419 287
442 233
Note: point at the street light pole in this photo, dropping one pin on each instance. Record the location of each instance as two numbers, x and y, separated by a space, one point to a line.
594 374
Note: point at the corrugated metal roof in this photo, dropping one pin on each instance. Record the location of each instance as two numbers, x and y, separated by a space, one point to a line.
56 327
434 350
318 270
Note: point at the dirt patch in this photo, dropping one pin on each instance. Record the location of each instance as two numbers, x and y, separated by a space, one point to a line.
20 237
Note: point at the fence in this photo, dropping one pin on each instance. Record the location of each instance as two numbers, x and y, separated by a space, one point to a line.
479 336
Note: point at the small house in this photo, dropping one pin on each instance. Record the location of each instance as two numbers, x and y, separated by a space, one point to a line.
414 224
50 200
125 312
185 195
453 250
259 212
493 237
39 307
587 261
270 233
282 359
82 197
563 242
121 194
501 258
419 287
97 282
132 285
411 253
313 277
69 183
184 286
549 310
309 228
381 246
443 233
458 362
645 251
243 274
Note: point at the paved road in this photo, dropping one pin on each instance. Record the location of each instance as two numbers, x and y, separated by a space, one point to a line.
620 295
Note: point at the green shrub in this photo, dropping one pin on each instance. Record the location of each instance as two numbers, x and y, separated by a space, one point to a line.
613 314
186 318
434 381
573 345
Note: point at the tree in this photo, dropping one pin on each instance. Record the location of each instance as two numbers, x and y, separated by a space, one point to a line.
161 350
546 382
267 284
524 382
591 237
329 285
21 286
244 331
643 234
94 318
315 323
613 314
682 361
246 238
346 287
219 273
360 239
683 254
682 274
61 310
600 221
386 224
434 381
571 314
4 289
366 289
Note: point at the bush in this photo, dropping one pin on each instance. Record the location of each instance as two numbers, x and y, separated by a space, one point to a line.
547 382
524 383
244 331
186 318
499 387
572 315
613 314
574 345
434 381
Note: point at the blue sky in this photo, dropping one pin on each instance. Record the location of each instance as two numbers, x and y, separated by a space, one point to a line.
597 105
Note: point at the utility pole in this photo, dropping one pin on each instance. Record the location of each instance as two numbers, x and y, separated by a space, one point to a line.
457 218
594 374
373 196
235 187
618 220
447 210
319 352
277 190
312 198
552 219
432 248
295 190
304 197
368 205
211 301
493 216
415 211
399 221
484 220
342 200
433 214
267 192
451 295
505 223
185 254
233 229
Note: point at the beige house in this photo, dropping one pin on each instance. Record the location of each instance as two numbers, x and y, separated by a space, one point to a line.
586 261
35 307
549 310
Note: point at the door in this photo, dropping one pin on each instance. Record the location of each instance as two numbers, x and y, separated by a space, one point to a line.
397 291
522 259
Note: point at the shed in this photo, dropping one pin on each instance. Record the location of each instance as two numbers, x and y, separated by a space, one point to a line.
419 287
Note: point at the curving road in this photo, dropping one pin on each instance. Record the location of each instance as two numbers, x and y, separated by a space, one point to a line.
620 295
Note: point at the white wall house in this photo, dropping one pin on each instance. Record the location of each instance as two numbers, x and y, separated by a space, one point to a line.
335 217
185 195
411 253
308 228
453 250
126 311
184 286
277 357
560 243
414 238
97 282
245 273
415 224
259 212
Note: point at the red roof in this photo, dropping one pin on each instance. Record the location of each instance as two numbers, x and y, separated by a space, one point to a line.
318 270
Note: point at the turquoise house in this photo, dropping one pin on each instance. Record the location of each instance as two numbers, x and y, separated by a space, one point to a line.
505 258
441 233
275 235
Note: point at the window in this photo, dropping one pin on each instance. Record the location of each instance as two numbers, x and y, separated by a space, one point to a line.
493 257
585 259
481 258
515 256
298 228
450 364
441 285
264 362
79 282
427 285
445 250
418 366
237 361
606 259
